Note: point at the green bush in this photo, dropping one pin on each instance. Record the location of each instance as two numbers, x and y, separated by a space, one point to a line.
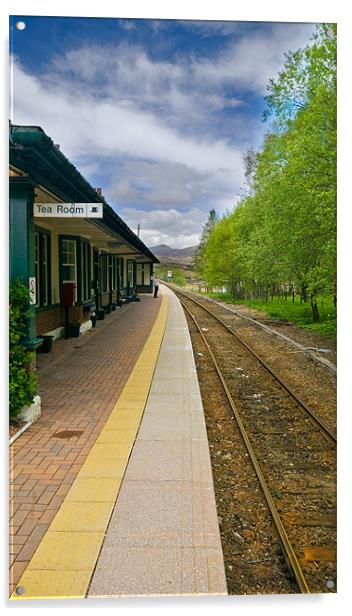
23 382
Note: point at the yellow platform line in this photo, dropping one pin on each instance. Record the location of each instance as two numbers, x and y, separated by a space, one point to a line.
64 561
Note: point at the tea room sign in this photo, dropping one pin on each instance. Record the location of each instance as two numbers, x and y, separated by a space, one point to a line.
68 210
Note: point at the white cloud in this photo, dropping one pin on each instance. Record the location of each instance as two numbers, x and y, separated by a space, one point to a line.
166 136
171 227
179 167
253 59
248 61
219 28
81 122
168 184
126 24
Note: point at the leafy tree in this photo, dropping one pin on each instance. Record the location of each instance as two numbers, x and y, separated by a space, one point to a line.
199 257
303 101
284 230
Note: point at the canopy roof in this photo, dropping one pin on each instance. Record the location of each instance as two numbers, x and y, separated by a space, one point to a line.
34 152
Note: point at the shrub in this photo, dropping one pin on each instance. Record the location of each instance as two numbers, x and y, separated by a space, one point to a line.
23 382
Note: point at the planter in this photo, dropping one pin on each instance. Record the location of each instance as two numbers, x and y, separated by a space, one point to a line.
73 330
31 413
107 309
100 315
47 344
32 344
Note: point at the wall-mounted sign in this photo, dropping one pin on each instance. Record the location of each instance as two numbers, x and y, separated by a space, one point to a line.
32 291
68 210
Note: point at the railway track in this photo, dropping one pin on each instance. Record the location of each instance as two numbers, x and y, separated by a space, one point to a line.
324 423
308 351
291 449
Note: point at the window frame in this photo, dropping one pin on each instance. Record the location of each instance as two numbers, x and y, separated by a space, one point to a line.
122 272
42 267
131 262
82 267
103 272
116 261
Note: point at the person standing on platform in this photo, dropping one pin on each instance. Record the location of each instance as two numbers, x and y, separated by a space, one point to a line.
156 285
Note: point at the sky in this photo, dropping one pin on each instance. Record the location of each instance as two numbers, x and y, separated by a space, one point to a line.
158 113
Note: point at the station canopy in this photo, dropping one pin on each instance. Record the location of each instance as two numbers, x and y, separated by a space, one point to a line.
34 154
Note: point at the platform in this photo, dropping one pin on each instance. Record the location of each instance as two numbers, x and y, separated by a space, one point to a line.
140 516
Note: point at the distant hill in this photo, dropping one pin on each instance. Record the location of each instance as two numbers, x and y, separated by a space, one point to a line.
163 250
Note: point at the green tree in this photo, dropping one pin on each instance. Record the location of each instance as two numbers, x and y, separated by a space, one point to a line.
199 257
284 229
302 171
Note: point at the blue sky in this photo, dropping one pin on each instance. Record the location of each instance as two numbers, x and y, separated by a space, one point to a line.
157 113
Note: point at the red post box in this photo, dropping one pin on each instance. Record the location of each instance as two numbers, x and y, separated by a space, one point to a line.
67 294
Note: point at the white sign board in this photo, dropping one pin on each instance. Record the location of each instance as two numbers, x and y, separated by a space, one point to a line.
169 274
32 291
68 210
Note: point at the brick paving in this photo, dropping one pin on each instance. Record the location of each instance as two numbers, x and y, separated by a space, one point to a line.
80 381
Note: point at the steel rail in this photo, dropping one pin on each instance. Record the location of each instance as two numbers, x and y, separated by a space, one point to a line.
288 551
307 350
322 425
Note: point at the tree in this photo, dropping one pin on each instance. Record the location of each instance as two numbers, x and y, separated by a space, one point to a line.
198 259
284 229
303 103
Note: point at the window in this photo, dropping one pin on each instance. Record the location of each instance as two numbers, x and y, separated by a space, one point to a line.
143 274
140 274
110 273
69 261
42 268
122 273
85 286
146 268
75 266
116 272
130 276
104 270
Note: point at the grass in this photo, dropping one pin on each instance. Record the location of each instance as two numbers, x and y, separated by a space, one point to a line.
295 312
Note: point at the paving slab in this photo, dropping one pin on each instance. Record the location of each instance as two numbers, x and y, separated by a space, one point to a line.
163 536
129 506
80 382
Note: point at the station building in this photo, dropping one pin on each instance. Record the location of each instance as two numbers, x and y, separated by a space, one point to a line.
100 259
